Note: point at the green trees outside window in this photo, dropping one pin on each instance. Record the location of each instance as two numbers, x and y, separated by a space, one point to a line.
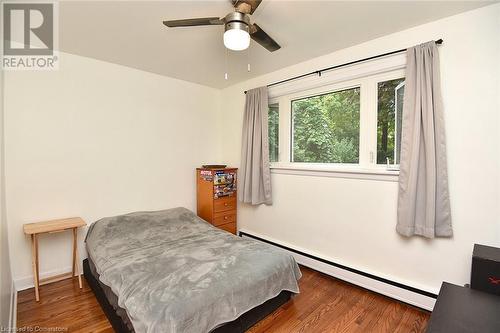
326 127
273 131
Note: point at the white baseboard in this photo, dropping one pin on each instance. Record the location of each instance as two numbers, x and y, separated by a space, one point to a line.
27 281
401 294
13 307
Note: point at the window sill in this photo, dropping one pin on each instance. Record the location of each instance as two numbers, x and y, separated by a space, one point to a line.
335 171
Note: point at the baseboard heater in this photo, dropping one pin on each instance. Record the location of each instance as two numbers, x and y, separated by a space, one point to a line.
404 293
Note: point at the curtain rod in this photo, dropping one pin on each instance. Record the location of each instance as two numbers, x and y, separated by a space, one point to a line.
318 72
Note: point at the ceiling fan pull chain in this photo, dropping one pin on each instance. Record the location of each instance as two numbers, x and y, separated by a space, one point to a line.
248 57
226 76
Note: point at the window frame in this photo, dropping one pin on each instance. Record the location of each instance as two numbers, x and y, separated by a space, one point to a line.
396 153
367 165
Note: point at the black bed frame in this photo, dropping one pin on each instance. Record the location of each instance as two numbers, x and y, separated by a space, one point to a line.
239 325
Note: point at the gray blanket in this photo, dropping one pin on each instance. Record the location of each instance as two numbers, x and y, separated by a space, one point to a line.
174 272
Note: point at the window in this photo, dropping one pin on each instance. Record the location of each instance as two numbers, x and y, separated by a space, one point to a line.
346 122
389 120
326 127
273 131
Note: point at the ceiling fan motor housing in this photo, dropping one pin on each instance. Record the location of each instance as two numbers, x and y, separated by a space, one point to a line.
236 20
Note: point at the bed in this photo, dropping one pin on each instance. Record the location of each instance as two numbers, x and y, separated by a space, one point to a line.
170 271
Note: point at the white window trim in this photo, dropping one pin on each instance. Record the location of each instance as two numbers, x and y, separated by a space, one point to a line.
374 72
347 73
334 170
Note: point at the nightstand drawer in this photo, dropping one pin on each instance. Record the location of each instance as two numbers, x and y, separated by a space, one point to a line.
224 204
230 227
224 217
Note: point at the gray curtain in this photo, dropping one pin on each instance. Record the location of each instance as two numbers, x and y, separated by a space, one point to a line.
423 200
254 183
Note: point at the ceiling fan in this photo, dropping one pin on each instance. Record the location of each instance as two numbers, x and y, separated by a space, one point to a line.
237 27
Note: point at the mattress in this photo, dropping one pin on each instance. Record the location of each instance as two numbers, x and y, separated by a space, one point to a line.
239 325
111 298
173 272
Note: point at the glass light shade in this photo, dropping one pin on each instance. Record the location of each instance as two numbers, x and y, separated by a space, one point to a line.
236 39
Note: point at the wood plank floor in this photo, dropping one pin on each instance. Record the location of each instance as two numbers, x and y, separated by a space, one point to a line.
325 304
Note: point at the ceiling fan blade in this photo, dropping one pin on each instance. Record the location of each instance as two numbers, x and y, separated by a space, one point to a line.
193 22
263 39
252 3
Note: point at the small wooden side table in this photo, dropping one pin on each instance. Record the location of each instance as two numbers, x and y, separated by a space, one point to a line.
54 226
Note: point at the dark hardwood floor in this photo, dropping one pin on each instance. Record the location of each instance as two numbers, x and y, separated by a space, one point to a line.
325 304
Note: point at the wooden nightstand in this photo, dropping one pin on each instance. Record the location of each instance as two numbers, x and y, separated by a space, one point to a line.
54 226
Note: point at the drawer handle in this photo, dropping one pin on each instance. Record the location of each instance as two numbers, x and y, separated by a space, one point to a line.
225 217
225 204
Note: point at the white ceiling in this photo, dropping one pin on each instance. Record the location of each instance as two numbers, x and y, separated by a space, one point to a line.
131 33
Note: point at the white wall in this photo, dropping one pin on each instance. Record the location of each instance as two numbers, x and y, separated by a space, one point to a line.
352 221
96 139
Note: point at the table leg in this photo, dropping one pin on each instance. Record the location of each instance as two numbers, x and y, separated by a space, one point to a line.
76 260
37 261
74 252
34 255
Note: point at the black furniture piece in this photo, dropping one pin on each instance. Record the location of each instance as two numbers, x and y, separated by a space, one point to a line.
460 310
485 273
239 325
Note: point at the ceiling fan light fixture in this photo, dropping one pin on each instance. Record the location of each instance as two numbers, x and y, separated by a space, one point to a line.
236 36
